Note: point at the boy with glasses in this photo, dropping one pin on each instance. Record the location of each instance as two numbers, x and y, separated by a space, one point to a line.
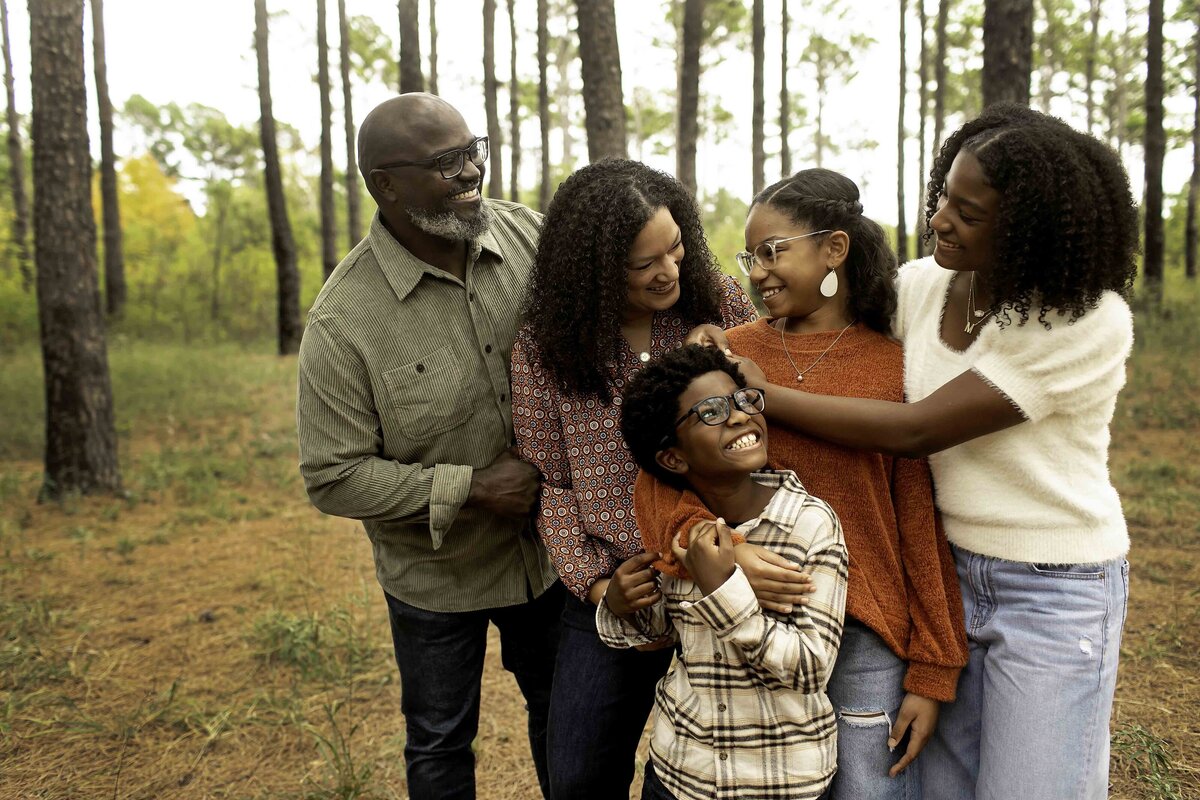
743 712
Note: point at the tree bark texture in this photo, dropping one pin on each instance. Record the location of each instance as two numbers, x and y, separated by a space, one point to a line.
757 156
329 248
81 440
785 100
490 89
1155 146
600 62
16 165
353 196
287 273
1194 183
411 78
939 73
114 249
514 108
433 37
689 93
1089 69
1007 51
543 47
901 224
922 130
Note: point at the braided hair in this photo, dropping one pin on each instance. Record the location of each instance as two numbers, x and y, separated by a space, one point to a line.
1066 226
821 198
577 291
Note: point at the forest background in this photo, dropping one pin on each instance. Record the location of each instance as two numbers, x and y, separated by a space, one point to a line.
196 629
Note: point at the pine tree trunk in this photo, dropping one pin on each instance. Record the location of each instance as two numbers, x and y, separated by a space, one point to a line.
922 247
1007 51
1089 69
329 248
1194 183
901 224
411 79
16 165
81 440
490 89
757 156
600 62
785 100
689 93
114 248
353 202
562 98
1155 146
543 47
939 73
514 108
287 273
433 37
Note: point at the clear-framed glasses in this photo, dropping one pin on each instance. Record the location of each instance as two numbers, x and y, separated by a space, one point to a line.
450 163
715 410
764 255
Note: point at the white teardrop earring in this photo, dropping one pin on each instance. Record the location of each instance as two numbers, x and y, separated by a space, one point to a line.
829 286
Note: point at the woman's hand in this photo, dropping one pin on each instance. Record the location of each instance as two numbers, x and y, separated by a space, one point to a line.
709 336
633 587
777 582
750 371
918 715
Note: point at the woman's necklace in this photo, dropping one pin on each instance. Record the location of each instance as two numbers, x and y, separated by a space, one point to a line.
975 316
801 372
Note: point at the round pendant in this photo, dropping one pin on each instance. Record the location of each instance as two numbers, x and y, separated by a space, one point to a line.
799 379
979 314
643 356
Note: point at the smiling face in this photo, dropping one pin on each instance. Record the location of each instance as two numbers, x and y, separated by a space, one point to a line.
791 288
652 268
707 454
965 220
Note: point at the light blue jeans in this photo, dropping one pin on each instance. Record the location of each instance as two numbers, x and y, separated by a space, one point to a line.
1031 718
866 689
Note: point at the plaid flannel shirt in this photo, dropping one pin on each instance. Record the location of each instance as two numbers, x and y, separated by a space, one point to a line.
743 711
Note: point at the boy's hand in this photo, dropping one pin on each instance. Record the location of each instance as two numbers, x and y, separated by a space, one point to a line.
632 586
919 716
709 555
777 582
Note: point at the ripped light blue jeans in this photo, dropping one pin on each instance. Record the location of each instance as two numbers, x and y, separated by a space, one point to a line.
1031 718
866 689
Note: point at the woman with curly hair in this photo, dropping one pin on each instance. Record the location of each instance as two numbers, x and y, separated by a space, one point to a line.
1015 334
827 277
621 274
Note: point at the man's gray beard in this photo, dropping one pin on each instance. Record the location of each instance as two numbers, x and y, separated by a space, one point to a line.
448 225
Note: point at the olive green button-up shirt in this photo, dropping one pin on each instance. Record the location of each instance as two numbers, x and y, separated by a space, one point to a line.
403 392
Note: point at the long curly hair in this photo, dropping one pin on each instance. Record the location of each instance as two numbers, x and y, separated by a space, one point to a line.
577 291
820 198
1066 228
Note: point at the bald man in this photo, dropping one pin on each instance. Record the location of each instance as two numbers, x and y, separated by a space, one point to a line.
405 423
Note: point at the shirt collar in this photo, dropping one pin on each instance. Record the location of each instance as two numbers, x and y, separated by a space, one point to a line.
403 270
785 483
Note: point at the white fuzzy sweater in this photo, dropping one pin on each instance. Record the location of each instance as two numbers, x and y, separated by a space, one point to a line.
1039 491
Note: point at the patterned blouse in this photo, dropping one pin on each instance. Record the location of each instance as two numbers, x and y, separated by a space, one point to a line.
586 513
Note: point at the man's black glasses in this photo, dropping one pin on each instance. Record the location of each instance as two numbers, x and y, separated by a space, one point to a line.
450 163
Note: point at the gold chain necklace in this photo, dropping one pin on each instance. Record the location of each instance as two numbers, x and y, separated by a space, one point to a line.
975 317
800 372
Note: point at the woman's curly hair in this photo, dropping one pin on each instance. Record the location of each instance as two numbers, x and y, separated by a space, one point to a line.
577 291
650 404
823 199
1066 227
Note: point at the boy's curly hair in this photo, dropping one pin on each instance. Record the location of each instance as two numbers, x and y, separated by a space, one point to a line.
823 199
650 404
577 291
1066 227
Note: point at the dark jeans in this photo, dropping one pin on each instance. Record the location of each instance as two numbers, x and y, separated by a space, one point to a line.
652 788
598 708
440 656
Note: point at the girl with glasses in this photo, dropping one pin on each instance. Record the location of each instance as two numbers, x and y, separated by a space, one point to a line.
622 273
826 276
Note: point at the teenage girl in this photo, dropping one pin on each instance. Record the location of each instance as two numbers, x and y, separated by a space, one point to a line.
1016 334
827 278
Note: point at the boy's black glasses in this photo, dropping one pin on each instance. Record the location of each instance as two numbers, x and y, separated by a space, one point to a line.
715 410
450 163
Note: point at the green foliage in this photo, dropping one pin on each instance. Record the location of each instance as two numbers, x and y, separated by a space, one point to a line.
333 646
1149 757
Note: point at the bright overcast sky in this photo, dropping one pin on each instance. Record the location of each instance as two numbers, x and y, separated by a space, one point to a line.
186 51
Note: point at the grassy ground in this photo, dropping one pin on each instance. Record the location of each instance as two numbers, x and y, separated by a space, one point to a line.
210 635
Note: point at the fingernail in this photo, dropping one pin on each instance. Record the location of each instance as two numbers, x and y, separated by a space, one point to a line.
728 352
891 745
787 609
721 520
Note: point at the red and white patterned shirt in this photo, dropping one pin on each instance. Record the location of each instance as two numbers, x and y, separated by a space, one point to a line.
586 514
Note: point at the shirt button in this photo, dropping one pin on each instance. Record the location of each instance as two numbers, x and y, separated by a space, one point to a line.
487 348
716 656
720 706
471 297
502 398
420 367
724 756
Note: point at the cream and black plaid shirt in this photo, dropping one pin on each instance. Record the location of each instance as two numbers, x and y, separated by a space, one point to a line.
743 712
403 392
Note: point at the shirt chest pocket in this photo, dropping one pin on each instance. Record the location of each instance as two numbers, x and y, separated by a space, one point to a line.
428 396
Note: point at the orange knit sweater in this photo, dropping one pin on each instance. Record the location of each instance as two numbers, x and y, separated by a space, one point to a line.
903 583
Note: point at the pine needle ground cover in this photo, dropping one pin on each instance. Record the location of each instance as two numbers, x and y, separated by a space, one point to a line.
211 635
